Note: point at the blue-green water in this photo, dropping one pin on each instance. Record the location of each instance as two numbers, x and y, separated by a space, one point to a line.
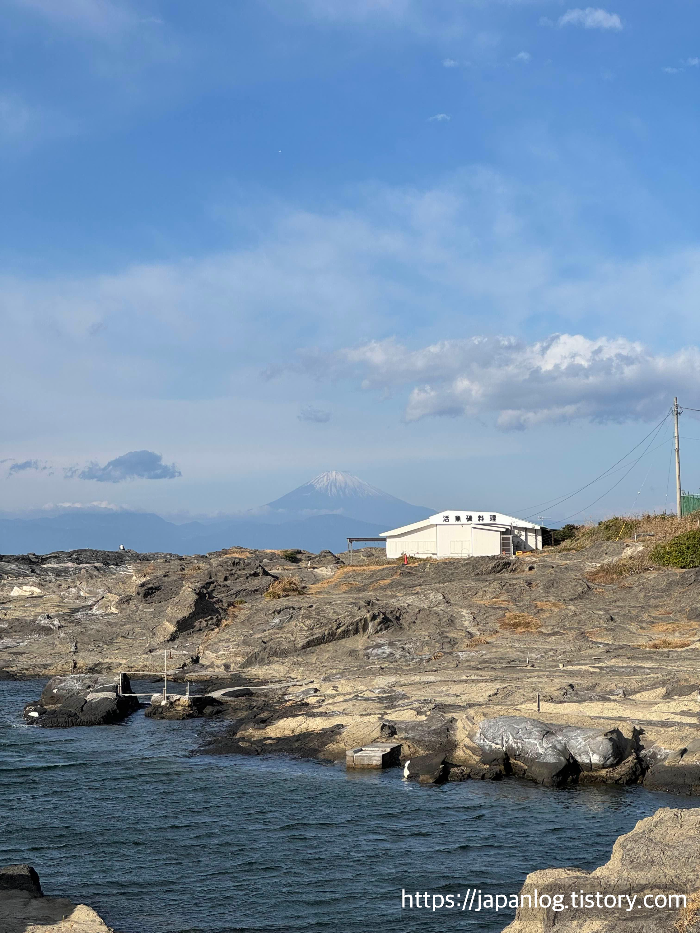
126 819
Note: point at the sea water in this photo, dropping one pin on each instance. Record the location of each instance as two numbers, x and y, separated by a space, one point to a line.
159 839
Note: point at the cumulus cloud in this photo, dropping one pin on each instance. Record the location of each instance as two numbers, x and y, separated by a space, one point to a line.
24 465
591 18
523 57
693 62
561 379
137 464
314 415
439 118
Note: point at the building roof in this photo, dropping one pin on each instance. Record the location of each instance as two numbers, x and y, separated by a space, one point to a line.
472 517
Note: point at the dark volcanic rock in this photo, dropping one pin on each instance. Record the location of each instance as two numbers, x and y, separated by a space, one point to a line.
301 745
20 878
193 707
427 769
430 736
82 700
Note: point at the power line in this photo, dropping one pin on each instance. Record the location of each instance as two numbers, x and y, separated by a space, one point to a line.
658 447
552 503
643 453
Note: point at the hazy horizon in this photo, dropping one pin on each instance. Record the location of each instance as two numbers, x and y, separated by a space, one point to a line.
437 245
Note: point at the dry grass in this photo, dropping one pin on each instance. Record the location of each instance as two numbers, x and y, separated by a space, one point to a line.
675 628
660 527
689 914
194 570
544 604
519 622
339 575
234 608
476 641
617 570
668 643
285 586
378 583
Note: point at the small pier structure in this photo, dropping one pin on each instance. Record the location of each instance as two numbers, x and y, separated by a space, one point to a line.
378 756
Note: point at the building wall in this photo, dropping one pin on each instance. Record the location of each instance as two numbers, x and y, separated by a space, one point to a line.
487 542
459 540
445 541
418 543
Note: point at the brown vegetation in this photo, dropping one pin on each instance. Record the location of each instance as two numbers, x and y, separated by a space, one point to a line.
519 622
476 641
285 586
617 570
669 643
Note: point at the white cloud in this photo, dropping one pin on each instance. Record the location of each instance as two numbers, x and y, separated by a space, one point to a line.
591 18
439 118
672 71
693 62
523 57
449 63
562 378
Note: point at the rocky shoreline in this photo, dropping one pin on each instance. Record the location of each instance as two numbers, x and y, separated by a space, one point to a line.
519 667
25 909
650 885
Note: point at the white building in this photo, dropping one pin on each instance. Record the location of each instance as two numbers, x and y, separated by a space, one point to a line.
464 534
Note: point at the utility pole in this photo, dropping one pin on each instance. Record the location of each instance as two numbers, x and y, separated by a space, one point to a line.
676 412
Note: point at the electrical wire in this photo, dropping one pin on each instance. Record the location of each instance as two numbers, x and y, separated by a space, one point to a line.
552 503
639 491
658 447
619 481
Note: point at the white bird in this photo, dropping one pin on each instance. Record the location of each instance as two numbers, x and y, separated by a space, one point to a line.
405 770
121 547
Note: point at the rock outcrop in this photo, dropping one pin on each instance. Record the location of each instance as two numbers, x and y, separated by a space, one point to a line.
551 754
183 707
25 909
650 885
428 649
83 700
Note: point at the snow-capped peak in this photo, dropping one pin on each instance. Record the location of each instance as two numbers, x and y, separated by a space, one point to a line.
336 483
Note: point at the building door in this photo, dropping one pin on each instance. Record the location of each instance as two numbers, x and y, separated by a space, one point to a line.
506 545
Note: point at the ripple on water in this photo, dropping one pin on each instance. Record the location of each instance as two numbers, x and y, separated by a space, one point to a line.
161 841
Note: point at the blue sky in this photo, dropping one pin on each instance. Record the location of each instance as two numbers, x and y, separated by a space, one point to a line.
449 246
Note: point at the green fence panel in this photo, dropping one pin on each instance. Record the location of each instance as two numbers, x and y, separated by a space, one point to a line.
689 504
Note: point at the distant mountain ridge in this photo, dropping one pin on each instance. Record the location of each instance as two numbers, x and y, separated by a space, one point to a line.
338 493
319 514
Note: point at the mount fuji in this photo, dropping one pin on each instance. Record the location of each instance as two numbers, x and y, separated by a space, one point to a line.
337 493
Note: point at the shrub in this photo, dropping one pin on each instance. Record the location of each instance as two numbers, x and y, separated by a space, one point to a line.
554 536
683 551
285 586
292 556
613 529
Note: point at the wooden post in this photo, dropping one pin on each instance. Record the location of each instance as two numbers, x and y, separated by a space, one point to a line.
538 702
679 507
